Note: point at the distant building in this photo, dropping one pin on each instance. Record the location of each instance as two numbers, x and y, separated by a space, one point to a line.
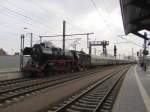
2 52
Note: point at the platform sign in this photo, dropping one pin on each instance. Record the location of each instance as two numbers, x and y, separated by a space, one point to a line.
136 15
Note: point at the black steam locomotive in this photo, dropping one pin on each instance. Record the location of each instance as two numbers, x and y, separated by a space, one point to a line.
46 58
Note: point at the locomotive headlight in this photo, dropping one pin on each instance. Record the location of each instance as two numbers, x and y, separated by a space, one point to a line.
50 64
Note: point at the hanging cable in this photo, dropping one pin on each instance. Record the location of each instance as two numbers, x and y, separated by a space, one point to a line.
15 17
100 14
43 8
26 17
131 42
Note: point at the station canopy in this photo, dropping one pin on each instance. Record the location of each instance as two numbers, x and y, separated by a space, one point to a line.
136 15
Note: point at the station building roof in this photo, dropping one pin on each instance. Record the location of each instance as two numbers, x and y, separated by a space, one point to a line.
135 15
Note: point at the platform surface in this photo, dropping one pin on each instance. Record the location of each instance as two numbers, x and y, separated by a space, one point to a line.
10 73
134 94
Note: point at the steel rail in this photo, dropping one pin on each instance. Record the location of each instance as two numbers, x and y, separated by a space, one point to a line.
69 104
11 93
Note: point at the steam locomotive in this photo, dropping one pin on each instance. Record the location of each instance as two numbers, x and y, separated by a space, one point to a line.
46 58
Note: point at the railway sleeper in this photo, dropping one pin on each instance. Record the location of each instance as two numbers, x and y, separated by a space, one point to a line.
70 110
85 105
99 91
103 110
84 101
93 98
90 100
96 96
81 109
106 107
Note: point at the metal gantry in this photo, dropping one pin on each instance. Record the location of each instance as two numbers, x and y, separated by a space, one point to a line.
68 35
22 44
99 43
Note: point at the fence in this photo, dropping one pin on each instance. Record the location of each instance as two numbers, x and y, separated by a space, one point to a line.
10 62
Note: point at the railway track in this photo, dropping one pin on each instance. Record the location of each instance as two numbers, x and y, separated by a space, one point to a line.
22 80
10 82
17 91
97 98
13 81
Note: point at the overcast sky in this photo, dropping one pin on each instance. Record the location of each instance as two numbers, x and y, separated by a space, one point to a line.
44 17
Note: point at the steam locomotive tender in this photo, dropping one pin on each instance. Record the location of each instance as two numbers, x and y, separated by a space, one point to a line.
45 59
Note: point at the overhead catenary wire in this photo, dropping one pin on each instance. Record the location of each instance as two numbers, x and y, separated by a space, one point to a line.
100 14
37 5
26 17
121 42
66 39
23 10
21 25
45 9
18 28
69 25
106 9
131 42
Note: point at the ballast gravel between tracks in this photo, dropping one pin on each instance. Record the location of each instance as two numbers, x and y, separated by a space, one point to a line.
92 98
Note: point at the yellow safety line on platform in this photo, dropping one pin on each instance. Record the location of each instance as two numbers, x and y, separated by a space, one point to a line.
142 90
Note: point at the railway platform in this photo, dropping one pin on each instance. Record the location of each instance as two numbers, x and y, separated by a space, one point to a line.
135 92
10 73
7 70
